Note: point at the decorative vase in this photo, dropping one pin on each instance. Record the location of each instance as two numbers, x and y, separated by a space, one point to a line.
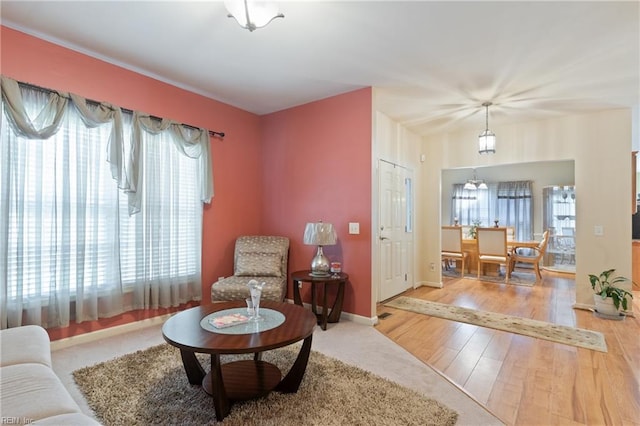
605 306
255 289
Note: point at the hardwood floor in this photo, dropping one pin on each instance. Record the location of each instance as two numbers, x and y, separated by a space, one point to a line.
523 380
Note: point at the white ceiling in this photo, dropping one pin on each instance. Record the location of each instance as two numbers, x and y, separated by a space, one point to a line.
432 63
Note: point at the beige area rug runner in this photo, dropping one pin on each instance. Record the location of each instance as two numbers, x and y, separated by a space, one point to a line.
150 387
527 327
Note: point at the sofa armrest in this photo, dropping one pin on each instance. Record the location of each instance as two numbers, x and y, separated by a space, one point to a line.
26 344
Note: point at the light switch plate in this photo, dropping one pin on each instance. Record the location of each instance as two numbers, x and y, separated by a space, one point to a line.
598 230
354 227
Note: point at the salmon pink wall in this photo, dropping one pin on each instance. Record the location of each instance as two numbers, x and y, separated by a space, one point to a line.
237 160
317 162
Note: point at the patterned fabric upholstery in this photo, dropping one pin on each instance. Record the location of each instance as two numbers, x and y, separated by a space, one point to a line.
262 258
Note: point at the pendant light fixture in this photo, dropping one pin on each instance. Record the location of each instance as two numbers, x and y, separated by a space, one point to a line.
473 184
252 14
487 139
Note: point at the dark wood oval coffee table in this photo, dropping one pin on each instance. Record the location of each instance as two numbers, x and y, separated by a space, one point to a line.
245 379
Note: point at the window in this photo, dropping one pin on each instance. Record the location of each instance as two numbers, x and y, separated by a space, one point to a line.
65 230
510 203
163 241
59 203
408 194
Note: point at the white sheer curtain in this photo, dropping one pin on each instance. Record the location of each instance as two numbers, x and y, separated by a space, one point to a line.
515 207
57 245
70 245
166 250
473 206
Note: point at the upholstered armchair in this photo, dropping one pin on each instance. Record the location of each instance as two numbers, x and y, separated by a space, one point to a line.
532 255
263 258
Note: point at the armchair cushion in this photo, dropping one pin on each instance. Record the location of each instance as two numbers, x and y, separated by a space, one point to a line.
235 288
258 264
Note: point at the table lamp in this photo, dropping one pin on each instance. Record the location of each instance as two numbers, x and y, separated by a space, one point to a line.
320 234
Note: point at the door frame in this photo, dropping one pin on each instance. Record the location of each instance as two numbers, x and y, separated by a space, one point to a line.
375 232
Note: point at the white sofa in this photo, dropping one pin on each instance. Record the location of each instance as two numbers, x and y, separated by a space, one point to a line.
30 392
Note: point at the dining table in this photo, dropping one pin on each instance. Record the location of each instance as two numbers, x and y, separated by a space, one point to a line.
470 246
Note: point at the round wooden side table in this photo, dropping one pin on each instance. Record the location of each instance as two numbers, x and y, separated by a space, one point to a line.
340 279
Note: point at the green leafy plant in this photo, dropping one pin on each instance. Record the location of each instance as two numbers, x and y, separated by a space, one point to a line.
604 285
473 231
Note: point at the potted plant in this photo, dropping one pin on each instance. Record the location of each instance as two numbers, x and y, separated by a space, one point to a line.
473 230
607 297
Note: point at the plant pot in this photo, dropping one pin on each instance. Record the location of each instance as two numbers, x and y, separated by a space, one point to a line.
605 306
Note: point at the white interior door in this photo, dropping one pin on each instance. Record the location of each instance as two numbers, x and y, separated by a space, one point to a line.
395 230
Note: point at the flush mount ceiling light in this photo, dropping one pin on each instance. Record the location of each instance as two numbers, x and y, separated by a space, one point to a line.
487 139
473 184
252 14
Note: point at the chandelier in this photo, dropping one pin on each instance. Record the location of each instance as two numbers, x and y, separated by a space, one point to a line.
473 184
487 139
252 14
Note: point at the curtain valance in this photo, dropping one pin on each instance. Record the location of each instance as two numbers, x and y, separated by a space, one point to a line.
46 123
515 189
123 157
193 143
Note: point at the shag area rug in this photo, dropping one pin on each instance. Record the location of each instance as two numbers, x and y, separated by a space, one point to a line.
150 387
527 327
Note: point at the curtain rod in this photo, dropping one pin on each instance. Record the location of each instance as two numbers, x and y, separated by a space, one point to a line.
125 110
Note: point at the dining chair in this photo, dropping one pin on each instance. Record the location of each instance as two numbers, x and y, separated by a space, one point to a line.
492 248
451 248
532 255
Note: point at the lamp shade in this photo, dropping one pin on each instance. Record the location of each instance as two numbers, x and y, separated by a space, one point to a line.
487 139
487 142
320 234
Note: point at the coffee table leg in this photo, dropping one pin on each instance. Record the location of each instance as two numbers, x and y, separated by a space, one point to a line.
292 380
195 372
220 400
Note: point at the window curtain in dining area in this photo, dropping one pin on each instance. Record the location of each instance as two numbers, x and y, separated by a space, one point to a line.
515 207
471 206
96 204
511 203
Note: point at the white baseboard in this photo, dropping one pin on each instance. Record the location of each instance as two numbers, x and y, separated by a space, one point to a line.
583 306
358 319
588 307
107 332
429 284
137 325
